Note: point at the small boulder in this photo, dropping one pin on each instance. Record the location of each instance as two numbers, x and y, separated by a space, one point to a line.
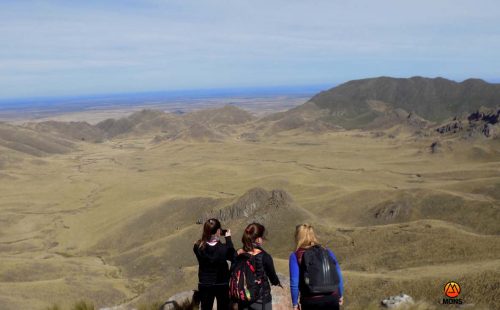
187 300
397 301
435 146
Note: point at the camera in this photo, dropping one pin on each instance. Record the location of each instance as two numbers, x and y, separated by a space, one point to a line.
223 232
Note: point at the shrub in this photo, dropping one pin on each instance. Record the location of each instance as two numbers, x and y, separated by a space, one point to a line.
83 305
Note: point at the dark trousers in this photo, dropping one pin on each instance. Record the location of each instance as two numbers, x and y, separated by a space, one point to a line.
209 292
330 302
256 306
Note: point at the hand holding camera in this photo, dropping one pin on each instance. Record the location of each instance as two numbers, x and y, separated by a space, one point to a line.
225 232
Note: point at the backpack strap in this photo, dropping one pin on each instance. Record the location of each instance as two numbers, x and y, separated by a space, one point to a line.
300 253
256 251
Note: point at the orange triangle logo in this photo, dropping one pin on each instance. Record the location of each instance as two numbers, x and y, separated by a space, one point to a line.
452 289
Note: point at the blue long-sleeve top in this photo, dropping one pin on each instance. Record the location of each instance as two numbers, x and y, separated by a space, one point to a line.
294 277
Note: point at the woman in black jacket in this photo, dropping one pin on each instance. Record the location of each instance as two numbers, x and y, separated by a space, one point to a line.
213 271
252 240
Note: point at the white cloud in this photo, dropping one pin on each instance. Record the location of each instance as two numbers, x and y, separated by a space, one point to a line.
182 43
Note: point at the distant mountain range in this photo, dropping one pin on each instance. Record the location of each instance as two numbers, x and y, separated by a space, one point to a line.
203 125
376 103
433 99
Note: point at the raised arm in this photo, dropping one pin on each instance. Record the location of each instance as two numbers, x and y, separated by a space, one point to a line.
231 252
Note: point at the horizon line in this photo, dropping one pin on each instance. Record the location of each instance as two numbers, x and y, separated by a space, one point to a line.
197 92
202 92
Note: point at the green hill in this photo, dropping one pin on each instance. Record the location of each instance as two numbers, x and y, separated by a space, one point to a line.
358 102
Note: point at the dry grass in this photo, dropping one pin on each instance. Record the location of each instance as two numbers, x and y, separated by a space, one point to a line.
80 305
479 289
117 219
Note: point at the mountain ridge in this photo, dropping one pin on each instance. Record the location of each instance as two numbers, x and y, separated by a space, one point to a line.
417 103
434 99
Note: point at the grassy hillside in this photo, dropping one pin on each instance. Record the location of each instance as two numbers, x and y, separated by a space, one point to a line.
434 99
31 142
114 223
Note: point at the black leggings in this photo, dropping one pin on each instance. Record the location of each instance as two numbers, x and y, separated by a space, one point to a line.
209 292
257 306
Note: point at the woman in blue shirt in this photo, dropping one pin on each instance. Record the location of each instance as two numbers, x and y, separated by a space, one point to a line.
305 239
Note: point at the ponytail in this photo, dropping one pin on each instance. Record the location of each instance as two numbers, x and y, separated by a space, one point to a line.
252 233
209 229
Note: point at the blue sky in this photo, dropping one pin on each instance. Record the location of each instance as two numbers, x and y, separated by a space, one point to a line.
59 48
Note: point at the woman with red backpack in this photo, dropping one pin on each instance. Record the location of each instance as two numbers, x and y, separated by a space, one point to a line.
252 271
314 273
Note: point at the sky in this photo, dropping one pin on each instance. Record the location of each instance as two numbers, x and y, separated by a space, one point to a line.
65 48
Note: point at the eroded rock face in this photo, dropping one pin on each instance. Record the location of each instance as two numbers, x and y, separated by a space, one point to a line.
250 205
453 127
479 123
488 117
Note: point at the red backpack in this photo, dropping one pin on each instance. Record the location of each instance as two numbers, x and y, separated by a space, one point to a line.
246 280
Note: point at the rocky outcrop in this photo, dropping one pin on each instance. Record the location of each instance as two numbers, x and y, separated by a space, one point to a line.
253 206
490 118
452 127
484 122
480 123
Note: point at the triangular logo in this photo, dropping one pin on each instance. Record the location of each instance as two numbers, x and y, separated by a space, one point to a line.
452 289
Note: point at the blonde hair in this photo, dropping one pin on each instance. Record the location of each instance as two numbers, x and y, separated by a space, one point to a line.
305 236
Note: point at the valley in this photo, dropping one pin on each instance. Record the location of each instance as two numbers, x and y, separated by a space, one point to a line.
108 213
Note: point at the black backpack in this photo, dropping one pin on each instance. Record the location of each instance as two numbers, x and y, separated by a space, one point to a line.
318 272
247 278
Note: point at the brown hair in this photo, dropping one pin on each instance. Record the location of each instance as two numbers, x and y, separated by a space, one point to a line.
209 228
305 236
251 233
